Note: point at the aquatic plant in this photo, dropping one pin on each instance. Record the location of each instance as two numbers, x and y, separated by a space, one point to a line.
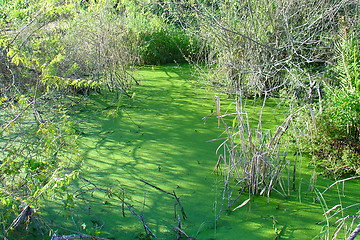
250 158
340 221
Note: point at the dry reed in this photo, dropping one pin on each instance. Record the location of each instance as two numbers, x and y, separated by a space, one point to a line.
250 159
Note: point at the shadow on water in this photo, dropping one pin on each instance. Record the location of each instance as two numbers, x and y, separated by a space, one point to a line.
159 136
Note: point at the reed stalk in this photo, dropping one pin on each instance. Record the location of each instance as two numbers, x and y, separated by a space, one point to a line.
250 159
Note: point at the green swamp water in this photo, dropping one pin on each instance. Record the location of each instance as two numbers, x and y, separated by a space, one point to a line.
159 136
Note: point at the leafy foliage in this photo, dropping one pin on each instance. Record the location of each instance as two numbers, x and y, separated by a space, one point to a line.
38 155
337 144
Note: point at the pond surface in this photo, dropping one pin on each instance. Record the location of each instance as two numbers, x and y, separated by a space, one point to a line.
159 137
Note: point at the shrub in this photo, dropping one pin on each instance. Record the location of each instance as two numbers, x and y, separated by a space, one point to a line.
337 144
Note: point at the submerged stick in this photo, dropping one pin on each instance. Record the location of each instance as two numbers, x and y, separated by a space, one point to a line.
181 206
73 236
178 232
162 190
169 193
203 118
141 218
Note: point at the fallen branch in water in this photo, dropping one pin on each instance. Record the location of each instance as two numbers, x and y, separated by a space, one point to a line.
180 205
169 193
73 236
162 190
208 116
178 228
354 233
242 204
141 218
180 232
121 197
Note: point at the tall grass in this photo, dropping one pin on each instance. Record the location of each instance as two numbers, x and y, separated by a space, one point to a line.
251 158
339 221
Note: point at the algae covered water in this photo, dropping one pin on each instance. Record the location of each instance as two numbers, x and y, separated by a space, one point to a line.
140 153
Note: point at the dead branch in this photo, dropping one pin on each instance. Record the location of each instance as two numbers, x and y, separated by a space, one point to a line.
178 232
228 114
184 233
123 204
24 215
180 205
217 139
354 233
169 193
339 181
151 185
141 218
73 236
339 211
208 116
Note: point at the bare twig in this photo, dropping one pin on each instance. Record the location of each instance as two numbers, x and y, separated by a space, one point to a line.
354 233
141 218
12 121
169 193
24 215
180 205
73 236
178 232
242 204
151 185
208 116
339 211
339 181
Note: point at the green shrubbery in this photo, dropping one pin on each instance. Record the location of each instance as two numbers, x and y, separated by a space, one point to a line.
164 46
98 41
337 142
287 50
50 50
157 39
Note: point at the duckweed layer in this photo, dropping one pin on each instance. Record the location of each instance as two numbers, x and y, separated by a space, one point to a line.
159 137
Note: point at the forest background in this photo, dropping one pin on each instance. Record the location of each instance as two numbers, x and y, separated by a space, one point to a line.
55 54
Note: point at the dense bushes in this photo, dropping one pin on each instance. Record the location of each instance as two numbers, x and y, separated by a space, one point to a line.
337 142
164 46
97 41
50 51
158 40
254 46
291 50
